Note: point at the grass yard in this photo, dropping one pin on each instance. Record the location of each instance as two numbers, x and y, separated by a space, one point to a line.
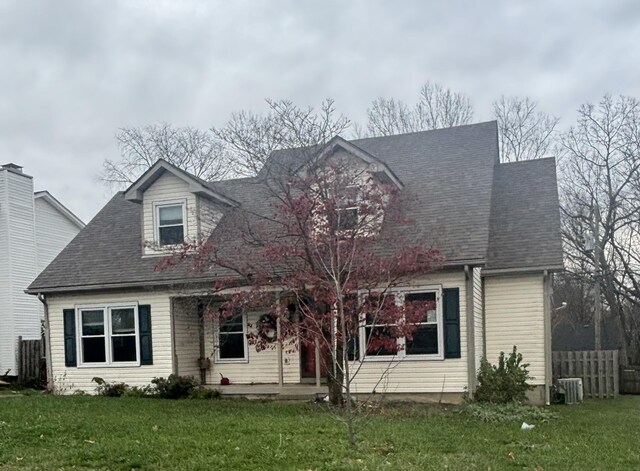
48 432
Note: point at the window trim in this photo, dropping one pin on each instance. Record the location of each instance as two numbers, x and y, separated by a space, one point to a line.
106 309
399 294
245 331
348 203
156 220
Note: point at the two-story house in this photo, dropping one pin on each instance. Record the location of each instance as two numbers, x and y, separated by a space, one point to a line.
112 314
34 228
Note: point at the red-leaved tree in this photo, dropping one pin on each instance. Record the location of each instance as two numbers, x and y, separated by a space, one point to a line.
320 243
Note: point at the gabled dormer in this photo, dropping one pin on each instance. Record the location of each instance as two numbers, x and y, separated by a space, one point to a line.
361 185
177 207
351 156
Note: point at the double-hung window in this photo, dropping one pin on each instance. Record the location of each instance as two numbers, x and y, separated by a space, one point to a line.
232 339
381 337
380 333
108 335
170 222
347 214
425 335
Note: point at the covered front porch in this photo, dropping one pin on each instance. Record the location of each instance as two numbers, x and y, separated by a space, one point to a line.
274 391
216 354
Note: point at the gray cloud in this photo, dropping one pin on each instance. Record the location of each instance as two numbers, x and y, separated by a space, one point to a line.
72 72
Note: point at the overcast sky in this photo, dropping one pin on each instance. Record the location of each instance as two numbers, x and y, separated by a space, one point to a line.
73 72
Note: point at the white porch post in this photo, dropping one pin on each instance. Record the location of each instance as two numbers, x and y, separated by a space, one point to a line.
279 346
317 353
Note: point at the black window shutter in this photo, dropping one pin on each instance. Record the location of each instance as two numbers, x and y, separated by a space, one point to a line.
70 357
451 298
144 324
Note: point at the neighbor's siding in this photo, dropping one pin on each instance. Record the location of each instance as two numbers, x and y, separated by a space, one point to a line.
53 232
262 366
69 379
19 312
478 316
6 324
167 188
421 376
514 310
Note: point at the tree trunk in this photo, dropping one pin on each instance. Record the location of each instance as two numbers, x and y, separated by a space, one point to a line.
336 379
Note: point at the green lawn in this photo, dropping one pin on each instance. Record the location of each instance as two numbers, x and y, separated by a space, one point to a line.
45 432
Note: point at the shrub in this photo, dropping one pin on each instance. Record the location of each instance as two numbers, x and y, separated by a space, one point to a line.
140 391
205 393
506 412
504 383
174 387
109 389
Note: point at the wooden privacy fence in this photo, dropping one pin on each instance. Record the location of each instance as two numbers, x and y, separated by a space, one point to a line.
630 379
30 361
599 370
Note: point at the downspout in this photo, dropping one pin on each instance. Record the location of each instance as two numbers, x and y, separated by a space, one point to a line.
548 373
471 370
47 341
201 340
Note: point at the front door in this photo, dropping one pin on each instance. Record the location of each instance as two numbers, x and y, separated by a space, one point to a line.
308 362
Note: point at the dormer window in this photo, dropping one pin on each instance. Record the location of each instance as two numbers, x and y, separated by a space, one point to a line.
347 219
347 212
170 222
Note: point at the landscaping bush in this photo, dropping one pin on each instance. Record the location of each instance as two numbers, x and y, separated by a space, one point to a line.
109 389
494 413
205 393
504 383
175 386
140 391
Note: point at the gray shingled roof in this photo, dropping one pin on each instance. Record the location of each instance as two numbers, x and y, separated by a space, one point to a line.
525 216
449 177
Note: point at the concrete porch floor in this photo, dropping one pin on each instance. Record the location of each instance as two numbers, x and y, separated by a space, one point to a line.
272 391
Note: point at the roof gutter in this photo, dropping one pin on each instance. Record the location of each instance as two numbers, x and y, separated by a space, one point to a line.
521 270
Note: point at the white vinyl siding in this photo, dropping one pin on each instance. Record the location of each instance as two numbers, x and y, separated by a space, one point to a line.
186 336
514 313
167 188
421 376
209 214
69 379
261 367
19 312
478 316
53 232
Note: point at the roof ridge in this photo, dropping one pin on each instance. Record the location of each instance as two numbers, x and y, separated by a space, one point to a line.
448 128
530 160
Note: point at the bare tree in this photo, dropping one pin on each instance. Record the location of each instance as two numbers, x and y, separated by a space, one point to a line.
249 139
601 208
188 148
388 116
524 132
438 107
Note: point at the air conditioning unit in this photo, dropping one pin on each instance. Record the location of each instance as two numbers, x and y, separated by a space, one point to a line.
572 390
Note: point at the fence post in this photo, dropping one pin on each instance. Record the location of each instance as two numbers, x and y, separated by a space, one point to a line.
19 359
616 373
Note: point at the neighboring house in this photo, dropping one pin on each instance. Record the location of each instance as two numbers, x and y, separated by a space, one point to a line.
34 228
112 315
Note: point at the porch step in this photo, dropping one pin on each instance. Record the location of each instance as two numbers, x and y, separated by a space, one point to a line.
272 391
